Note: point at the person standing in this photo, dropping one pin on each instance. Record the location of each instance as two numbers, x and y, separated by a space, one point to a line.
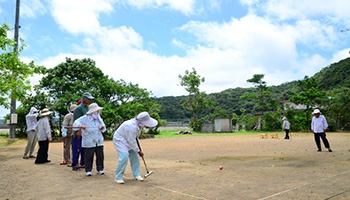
125 140
67 137
286 127
92 127
44 136
77 149
318 127
31 121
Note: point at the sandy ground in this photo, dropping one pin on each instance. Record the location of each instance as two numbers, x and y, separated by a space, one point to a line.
187 167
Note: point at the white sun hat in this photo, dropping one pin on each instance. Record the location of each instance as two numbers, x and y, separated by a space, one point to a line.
93 108
144 119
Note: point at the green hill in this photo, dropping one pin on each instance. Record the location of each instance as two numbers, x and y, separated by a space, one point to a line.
330 77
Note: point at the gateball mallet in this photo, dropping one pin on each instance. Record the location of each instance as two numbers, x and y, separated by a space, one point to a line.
148 172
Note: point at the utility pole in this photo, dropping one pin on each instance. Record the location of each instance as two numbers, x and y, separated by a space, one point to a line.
13 116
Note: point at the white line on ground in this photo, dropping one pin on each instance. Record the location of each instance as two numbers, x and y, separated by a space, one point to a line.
276 194
163 188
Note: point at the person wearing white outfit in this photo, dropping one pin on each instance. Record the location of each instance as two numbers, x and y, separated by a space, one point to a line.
125 140
92 127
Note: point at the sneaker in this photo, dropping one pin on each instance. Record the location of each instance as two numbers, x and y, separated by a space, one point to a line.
101 172
119 181
88 174
139 178
319 150
330 150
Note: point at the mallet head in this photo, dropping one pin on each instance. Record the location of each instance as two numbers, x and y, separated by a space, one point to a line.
149 173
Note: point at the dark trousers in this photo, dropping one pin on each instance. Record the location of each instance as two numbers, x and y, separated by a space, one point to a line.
89 158
42 152
287 133
324 140
77 150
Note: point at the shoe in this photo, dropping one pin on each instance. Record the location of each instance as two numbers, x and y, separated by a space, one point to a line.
330 150
64 163
101 172
139 178
25 157
75 169
82 166
319 150
88 174
31 156
119 181
47 161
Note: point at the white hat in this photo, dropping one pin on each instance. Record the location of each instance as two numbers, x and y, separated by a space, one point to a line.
45 112
93 108
284 118
316 111
72 107
146 120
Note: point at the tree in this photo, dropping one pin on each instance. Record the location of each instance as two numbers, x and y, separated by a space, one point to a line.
308 95
65 84
14 79
196 100
262 96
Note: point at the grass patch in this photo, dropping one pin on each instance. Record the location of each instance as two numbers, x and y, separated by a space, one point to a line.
6 141
175 133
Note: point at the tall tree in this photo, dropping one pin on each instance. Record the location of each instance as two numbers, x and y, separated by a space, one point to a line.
15 74
263 94
196 100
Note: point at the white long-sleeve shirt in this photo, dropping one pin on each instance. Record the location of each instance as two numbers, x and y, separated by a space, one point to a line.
286 125
124 138
92 135
319 124
43 129
31 119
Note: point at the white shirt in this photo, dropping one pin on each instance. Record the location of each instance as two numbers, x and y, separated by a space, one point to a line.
43 129
92 135
319 124
31 119
124 138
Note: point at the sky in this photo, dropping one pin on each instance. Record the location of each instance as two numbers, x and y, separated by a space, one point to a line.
152 42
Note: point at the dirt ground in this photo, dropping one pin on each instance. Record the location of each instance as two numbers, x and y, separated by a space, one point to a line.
187 167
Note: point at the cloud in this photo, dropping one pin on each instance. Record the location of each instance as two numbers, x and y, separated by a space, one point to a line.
184 6
32 9
79 16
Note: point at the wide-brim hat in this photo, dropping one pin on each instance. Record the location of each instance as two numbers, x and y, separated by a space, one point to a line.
316 111
146 120
72 107
45 112
284 118
93 108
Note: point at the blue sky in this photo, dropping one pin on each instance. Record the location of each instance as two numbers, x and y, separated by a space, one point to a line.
151 42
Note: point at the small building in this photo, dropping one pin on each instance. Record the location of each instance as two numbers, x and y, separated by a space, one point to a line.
223 125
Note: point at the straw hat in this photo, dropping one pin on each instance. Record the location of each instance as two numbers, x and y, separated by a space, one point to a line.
93 108
72 107
144 119
45 112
